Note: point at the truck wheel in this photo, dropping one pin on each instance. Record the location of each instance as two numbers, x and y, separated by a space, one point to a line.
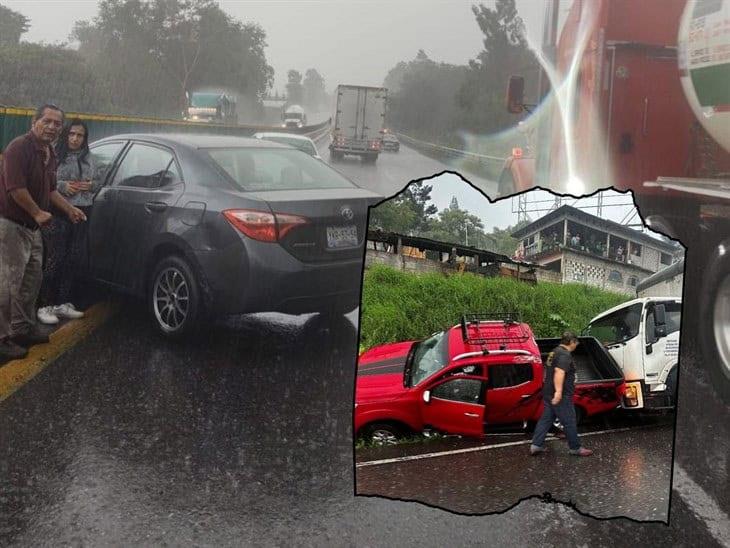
174 300
382 433
714 323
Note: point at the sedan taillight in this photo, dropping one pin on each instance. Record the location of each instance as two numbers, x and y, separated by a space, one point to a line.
262 225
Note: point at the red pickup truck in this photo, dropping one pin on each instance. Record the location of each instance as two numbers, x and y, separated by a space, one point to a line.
484 372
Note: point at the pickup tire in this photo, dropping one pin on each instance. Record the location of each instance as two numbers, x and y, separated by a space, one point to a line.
383 433
714 323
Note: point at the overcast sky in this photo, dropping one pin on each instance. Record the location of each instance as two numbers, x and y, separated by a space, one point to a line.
348 41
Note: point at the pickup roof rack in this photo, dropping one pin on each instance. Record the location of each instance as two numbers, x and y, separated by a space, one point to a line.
506 319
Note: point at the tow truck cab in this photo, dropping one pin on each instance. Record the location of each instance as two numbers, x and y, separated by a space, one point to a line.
642 335
481 373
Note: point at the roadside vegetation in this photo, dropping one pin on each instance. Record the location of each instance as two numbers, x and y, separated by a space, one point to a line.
398 306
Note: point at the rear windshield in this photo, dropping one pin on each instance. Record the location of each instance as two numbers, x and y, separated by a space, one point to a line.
275 169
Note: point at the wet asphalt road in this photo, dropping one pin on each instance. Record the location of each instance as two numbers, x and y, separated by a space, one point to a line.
244 438
629 475
393 171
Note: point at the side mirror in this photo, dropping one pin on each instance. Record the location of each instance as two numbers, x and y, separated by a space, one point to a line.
516 95
660 315
427 396
660 331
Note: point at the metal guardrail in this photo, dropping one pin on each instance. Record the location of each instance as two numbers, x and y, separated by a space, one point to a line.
490 165
15 121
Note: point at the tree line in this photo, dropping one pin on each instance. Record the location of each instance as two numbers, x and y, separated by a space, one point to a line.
412 213
140 57
439 101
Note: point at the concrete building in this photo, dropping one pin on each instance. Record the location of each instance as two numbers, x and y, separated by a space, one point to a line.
582 248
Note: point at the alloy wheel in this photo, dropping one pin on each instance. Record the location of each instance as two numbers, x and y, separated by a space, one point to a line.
171 299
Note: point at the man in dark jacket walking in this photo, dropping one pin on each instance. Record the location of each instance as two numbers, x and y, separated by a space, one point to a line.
27 190
557 393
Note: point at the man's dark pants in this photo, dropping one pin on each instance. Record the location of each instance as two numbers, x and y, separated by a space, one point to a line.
21 273
565 411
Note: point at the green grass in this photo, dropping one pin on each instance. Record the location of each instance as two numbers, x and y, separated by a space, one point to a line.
400 306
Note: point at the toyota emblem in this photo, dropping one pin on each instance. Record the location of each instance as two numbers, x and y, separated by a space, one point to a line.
347 213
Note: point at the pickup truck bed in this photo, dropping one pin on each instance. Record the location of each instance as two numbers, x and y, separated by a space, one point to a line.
592 362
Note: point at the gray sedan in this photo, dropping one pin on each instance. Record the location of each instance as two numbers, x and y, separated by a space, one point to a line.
204 226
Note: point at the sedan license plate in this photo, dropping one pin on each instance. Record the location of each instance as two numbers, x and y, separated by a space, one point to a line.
341 236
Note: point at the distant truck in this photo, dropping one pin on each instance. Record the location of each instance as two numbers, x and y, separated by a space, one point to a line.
486 372
294 117
358 122
211 107
642 335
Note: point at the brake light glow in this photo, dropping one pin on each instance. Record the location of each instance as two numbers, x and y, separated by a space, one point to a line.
375 144
262 225
517 152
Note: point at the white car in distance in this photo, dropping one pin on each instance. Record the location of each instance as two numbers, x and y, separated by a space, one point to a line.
305 144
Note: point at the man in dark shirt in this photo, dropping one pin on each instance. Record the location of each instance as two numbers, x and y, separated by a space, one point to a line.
27 190
557 394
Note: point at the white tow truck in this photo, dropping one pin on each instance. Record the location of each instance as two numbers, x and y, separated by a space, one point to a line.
642 335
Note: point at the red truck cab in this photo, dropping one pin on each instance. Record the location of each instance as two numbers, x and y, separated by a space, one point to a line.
478 374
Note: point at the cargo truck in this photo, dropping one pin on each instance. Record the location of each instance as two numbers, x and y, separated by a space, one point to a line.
358 122
642 336
211 107
644 106
294 117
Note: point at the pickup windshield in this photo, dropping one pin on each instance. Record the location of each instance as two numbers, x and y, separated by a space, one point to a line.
620 326
430 356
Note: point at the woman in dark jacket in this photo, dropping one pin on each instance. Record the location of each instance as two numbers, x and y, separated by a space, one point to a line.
64 240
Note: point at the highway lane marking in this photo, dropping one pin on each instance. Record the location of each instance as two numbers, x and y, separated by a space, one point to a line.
703 506
16 373
484 448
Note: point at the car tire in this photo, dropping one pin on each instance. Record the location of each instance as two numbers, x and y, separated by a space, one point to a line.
714 323
174 298
382 433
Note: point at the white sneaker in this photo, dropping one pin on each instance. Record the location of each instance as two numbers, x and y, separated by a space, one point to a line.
46 316
67 311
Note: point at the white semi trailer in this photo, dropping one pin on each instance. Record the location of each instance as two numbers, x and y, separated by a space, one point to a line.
358 122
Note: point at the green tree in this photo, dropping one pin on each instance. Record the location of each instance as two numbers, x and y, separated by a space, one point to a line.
410 212
458 226
314 93
294 89
148 53
481 97
12 26
504 242
33 74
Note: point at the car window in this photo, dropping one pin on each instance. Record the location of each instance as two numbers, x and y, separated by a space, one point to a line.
276 169
146 166
104 156
461 390
507 375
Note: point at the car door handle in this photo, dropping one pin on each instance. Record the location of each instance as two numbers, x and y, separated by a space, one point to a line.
472 415
156 207
523 396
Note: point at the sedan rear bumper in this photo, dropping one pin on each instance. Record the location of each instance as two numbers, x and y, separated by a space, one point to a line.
264 277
